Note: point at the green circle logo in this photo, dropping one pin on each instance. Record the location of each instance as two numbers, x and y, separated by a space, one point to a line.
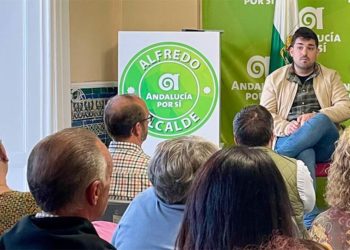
178 84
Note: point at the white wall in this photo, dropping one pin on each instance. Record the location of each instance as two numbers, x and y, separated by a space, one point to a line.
25 77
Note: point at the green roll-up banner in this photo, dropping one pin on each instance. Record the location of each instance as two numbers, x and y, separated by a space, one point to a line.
246 41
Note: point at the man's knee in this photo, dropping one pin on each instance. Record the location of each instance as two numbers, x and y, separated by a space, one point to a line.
324 119
323 122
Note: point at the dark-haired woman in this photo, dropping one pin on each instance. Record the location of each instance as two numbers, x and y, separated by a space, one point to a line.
237 199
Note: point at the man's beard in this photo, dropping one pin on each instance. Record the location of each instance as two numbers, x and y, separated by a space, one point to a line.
144 133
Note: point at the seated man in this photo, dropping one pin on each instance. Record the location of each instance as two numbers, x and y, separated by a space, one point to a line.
126 119
306 99
69 175
153 218
253 126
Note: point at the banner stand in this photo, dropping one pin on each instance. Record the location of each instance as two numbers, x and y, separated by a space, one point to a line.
177 74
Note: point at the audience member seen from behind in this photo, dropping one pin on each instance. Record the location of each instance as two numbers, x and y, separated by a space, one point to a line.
13 204
126 119
333 226
253 127
306 100
154 216
69 176
238 198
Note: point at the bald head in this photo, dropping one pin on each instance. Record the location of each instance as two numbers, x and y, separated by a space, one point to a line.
121 113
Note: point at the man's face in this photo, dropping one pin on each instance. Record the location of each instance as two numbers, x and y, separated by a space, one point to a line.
304 53
145 129
145 122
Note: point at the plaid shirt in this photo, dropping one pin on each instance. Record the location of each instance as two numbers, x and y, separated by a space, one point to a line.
305 100
129 175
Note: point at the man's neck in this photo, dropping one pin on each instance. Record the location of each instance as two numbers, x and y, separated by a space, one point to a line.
74 211
303 72
131 139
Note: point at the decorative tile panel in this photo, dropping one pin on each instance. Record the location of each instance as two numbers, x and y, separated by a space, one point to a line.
87 105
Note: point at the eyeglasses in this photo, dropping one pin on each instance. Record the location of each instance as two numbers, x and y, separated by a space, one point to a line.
149 117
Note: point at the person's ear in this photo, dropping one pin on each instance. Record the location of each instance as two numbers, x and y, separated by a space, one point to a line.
235 140
93 192
137 129
272 139
291 51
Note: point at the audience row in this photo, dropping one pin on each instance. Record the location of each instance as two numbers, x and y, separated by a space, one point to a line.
195 196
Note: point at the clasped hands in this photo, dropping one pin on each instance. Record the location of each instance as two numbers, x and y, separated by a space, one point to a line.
296 124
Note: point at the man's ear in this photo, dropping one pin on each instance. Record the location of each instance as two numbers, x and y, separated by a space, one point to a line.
137 129
93 192
291 51
235 140
272 139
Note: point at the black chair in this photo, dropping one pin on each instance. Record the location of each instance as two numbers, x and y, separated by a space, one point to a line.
115 210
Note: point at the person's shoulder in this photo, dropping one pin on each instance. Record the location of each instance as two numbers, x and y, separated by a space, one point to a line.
2 243
279 71
142 156
282 157
145 156
330 216
24 202
323 67
23 225
292 160
144 196
24 195
325 70
278 75
142 206
140 200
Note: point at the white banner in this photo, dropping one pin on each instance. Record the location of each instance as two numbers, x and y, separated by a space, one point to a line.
177 74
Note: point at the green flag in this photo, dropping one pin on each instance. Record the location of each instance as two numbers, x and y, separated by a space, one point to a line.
285 23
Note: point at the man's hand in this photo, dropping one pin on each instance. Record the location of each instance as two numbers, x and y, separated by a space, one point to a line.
304 117
292 127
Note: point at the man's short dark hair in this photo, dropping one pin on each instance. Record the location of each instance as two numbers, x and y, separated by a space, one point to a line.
119 121
305 33
253 126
